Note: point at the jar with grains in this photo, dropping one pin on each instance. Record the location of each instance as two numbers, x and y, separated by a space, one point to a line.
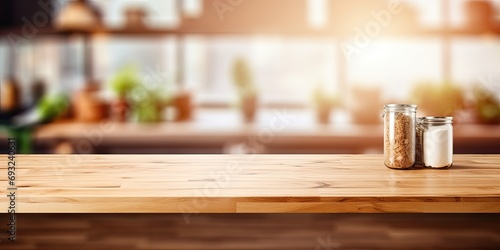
399 135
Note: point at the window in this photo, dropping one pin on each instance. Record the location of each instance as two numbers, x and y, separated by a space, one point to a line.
153 57
395 65
477 61
283 69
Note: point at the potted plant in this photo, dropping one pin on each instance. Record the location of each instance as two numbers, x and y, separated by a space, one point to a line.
88 106
182 102
148 104
148 101
486 105
438 99
325 102
122 84
246 89
364 103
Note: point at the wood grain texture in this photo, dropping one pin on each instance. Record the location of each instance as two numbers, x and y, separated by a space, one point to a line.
249 184
255 231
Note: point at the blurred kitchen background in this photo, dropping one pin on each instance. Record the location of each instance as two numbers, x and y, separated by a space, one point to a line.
243 76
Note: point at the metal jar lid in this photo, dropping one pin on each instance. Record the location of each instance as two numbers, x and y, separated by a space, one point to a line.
400 107
436 119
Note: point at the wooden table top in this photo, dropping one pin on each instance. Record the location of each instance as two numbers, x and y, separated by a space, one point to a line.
248 183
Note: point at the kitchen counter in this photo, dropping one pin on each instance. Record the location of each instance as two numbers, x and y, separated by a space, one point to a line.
277 131
249 184
201 137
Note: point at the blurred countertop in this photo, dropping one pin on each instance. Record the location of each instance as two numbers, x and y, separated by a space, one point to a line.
217 125
282 128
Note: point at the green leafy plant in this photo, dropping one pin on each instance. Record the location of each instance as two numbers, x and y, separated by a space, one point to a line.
125 81
324 103
148 104
242 78
52 106
147 112
322 98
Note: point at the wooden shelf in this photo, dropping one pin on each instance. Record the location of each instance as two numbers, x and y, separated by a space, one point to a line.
250 184
298 32
97 31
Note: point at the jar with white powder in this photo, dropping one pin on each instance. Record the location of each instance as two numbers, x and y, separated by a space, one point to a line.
436 141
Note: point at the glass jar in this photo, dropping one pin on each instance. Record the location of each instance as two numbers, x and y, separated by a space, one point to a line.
437 141
419 148
399 135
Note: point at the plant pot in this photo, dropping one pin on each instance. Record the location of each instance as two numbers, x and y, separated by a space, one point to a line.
120 109
135 18
87 106
183 106
323 114
365 105
249 108
488 114
78 15
480 15
10 96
